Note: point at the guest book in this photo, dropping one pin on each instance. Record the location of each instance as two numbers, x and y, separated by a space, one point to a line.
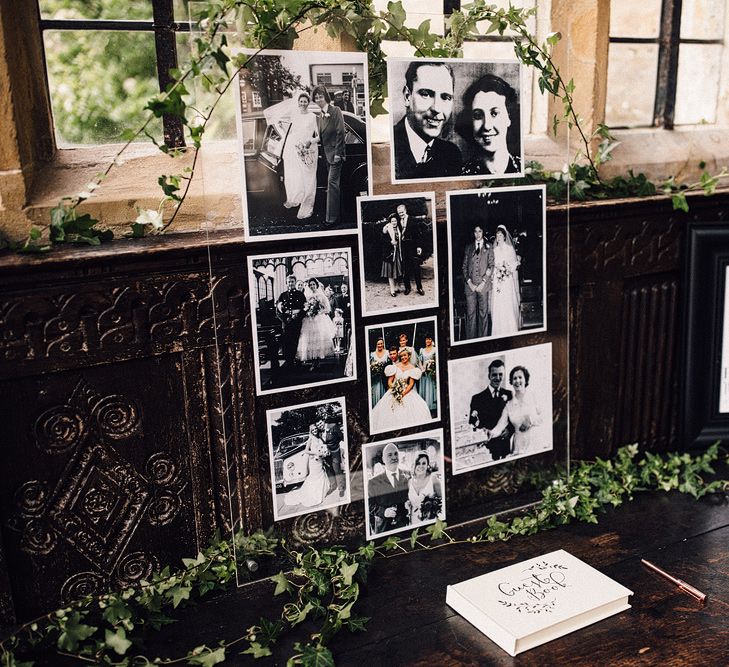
527 604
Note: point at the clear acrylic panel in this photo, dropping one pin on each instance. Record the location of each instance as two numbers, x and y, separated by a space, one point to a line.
697 87
631 85
703 19
88 108
99 9
635 19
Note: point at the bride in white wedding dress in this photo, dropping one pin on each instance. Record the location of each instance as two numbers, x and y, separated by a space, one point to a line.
505 300
400 407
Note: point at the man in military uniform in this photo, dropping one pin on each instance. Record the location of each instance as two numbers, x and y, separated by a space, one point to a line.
289 310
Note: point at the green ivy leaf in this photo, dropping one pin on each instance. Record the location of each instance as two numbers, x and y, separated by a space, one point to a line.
310 655
257 651
282 583
73 631
348 571
679 202
178 593
206 657
117 641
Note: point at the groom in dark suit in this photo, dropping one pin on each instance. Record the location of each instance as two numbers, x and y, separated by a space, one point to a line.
486 409
418 149
388 493
331 137
412 249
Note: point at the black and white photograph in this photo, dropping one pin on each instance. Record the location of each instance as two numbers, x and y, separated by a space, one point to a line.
303 320
398 253
403 376
308 450
501 407
302 119
454 119
497 262
404 483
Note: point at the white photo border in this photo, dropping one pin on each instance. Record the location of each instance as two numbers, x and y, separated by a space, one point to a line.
386 325
452 364
475 177
449 229
360 241
254 323
345 434
436 434
334 56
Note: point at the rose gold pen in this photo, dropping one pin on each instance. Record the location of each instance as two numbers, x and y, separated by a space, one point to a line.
682 585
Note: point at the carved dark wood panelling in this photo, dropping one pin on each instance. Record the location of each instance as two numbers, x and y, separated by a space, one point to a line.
648 404
125 418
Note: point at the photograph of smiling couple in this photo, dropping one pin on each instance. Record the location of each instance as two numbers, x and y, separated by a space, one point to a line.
454 119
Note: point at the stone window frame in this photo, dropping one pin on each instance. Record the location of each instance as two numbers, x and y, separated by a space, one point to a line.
34 175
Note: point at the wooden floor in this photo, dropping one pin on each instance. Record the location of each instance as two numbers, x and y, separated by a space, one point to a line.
411 624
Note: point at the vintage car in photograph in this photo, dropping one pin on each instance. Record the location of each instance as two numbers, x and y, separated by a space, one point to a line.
290 461
263 148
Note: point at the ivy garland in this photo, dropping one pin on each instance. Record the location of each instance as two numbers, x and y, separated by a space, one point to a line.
262 24
323 585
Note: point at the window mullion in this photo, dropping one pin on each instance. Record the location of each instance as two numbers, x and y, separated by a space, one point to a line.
166 48
668 46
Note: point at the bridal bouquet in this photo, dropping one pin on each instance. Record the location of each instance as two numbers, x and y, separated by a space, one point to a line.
502 272
320 450
377 368
398 389
305 154
312 307
430 367
430 507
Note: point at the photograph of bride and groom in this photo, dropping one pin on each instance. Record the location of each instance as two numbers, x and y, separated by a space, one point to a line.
302 131
308 448
501 407
403 374
497 267
302 319
404 482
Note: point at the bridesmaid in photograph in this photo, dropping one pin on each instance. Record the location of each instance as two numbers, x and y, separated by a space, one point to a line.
379 358
427 387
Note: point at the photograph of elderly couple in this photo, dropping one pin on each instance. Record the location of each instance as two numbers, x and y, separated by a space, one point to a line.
501 408
454 119
302 319
302 120
497 267
403 374
398 250
308 447
404 483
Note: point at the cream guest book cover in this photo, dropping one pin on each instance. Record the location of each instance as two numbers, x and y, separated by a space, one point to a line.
532 602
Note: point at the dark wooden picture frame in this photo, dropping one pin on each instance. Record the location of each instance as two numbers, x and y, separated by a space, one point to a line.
707 261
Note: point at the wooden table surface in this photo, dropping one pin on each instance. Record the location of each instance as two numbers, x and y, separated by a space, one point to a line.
412 625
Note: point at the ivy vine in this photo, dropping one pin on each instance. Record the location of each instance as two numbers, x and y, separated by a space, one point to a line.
262 24
323 585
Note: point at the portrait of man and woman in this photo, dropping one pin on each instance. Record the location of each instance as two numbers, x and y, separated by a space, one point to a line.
403 375
454 119
305 151
404 481
308 454
302 318
502 410
399 265
497 262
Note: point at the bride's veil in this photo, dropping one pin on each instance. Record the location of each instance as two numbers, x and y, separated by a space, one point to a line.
507 237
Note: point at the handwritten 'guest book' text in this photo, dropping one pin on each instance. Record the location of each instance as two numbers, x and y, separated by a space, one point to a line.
532 602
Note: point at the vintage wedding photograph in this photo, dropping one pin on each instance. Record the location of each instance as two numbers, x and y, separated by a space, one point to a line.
404 480
454 119
501 407
403 377
303 127
308 450
303 322
497 262
398 253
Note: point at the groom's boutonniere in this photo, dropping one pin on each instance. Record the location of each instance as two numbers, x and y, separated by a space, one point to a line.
325 114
